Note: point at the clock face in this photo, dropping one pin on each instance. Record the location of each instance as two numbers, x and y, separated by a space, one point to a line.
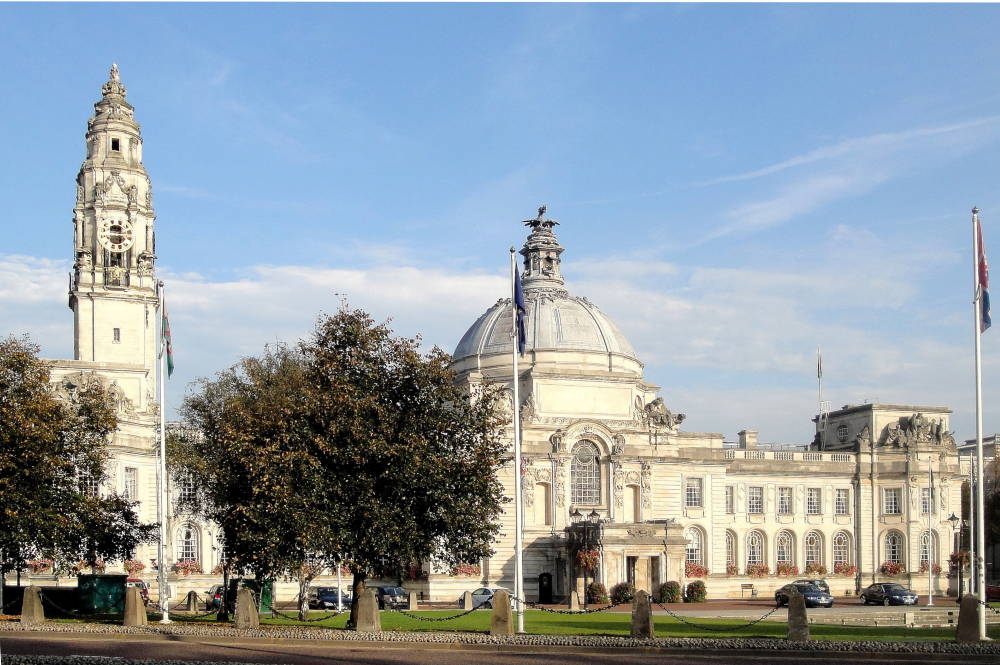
115 235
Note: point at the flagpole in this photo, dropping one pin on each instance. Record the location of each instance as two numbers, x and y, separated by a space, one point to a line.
819 410
518 544
977 258
162 508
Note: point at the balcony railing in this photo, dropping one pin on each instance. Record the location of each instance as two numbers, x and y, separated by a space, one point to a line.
786 456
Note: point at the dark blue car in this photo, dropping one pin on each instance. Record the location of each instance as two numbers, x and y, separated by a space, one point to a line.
812 594
888 594
325 597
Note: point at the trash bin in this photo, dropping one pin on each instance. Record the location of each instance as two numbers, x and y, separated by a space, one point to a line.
101 594
263 591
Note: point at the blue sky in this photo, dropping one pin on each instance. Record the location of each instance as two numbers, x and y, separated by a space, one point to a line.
735 183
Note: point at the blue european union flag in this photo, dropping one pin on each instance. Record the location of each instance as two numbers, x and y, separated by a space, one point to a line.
522 336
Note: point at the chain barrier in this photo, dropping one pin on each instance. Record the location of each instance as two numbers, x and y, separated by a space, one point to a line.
718 630
45 598
552 610
439 619
988 606
182 607
281 614
9 605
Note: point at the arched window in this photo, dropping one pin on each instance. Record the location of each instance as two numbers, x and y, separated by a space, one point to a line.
814 547
841 548
785 547
187 543
928 548
755 548
894 547
694 550
730 548
585 479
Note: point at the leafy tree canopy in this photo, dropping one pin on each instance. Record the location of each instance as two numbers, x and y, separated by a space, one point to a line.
354 446
47 445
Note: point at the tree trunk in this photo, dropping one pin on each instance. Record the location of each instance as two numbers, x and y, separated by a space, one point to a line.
223 614
357 589
304 580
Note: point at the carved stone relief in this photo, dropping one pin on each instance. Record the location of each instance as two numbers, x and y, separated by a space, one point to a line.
658 415
618 445
619 475
560 482
556 439
646 485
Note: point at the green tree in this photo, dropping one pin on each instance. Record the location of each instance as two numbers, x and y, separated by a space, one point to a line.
353 447
49 448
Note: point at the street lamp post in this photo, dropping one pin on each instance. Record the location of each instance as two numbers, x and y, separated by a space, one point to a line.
954 525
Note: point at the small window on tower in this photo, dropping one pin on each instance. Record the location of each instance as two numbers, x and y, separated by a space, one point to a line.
116 145
118 335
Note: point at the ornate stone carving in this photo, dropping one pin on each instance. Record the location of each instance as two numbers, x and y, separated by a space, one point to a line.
916 430
83 259
619 474
528 408
640 532
646 485
618 445
658 415
560 482
864 438
556 439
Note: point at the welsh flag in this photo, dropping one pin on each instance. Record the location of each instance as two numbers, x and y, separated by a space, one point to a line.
165 343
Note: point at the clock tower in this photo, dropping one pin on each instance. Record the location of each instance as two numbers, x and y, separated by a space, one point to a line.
112 288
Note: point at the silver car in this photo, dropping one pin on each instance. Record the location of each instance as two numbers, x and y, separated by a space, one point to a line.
482 598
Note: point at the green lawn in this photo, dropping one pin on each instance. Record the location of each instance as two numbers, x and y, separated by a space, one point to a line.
607 623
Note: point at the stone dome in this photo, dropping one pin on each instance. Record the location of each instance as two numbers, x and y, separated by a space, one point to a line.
555 320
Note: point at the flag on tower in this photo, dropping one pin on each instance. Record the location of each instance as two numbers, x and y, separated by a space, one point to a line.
984 281
819 363
519 304
165 343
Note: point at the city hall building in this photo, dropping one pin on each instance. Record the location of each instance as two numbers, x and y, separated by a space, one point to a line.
609 464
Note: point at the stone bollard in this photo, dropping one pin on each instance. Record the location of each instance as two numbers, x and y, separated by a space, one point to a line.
135 609
798 624
246 610
32 613
369 620
467 600
192 601
574 601
642 616
414 601
502 618
968 619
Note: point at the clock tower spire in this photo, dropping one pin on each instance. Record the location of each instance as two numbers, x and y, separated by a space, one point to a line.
112 287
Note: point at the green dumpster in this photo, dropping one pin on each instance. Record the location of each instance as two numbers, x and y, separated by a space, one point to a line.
101 594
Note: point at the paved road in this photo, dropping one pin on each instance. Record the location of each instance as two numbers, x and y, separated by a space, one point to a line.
314 652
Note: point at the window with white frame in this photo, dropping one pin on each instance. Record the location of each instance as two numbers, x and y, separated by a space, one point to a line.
88 483
585 474
814 501
692 492
730 548
730 499
894 547
784 500
928 547
755 500
892 500
926 500
843 502
693 552
130 483
784 547
187 543
186 489
814 548
841 548
755 548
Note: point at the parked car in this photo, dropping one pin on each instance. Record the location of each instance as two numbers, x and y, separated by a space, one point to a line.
482 598
888 594
812 594
325 597
213 597
992 593
821 583
390 597
143 588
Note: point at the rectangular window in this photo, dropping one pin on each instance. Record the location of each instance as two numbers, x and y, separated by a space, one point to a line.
843 505
892 500
692 493
814 501
88 483
755 500
186 493
116 145
926 500
784 500
730 500
130 486
117 335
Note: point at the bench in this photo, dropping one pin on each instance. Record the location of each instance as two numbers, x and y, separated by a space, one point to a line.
748 587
